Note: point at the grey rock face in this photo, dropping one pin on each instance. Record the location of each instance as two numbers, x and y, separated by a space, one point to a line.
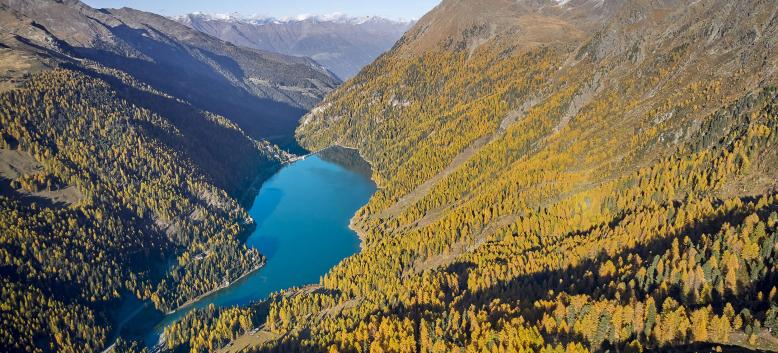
344 45
264 93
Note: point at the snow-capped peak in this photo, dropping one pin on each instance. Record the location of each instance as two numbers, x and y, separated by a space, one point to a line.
336 17
594 3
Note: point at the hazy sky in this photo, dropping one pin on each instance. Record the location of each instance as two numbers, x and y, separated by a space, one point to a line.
394 9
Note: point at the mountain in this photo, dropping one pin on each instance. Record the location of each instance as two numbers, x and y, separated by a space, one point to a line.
342 44
129 145
555 176
264 93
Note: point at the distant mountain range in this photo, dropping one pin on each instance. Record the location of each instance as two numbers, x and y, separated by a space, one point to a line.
342 44
263 92
127 141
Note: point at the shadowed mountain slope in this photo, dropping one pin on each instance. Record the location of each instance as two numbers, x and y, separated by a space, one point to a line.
264 93
557 176
130 146
342 44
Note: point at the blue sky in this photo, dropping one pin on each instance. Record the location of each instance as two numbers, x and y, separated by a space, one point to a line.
394 9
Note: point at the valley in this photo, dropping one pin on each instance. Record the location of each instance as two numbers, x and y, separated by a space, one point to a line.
545 176
130 147
342 44
302 215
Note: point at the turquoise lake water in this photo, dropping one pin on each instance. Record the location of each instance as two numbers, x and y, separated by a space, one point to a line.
302 215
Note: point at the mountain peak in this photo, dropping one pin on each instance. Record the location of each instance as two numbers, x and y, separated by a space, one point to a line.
342 43
335 17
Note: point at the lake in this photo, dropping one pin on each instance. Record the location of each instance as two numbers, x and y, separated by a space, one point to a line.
302 215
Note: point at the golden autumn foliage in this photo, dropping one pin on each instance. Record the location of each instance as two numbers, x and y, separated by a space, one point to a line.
146 197
556 197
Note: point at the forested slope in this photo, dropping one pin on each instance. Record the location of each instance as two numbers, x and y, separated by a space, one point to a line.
141 199
557 176
264 93
342 44
121 174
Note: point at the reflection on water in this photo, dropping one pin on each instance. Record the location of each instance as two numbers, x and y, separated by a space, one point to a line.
348 158
270 197
302 215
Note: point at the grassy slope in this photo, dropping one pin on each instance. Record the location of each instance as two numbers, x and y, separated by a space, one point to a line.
612 125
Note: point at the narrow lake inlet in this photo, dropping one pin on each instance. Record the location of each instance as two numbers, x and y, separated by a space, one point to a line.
302 215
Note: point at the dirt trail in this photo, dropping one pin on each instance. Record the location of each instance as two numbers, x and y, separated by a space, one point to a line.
457 249
251 339
424 188
420 191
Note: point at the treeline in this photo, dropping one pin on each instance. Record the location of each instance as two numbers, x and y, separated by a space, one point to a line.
556 197
620 225
650 259
151 222
205 330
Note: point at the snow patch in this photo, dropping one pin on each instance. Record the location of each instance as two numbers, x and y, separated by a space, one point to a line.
596 3
336 17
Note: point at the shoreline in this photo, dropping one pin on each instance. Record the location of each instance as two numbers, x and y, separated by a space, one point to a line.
352 224
372 167
360 233
256 184
192 301
261 179
307 288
